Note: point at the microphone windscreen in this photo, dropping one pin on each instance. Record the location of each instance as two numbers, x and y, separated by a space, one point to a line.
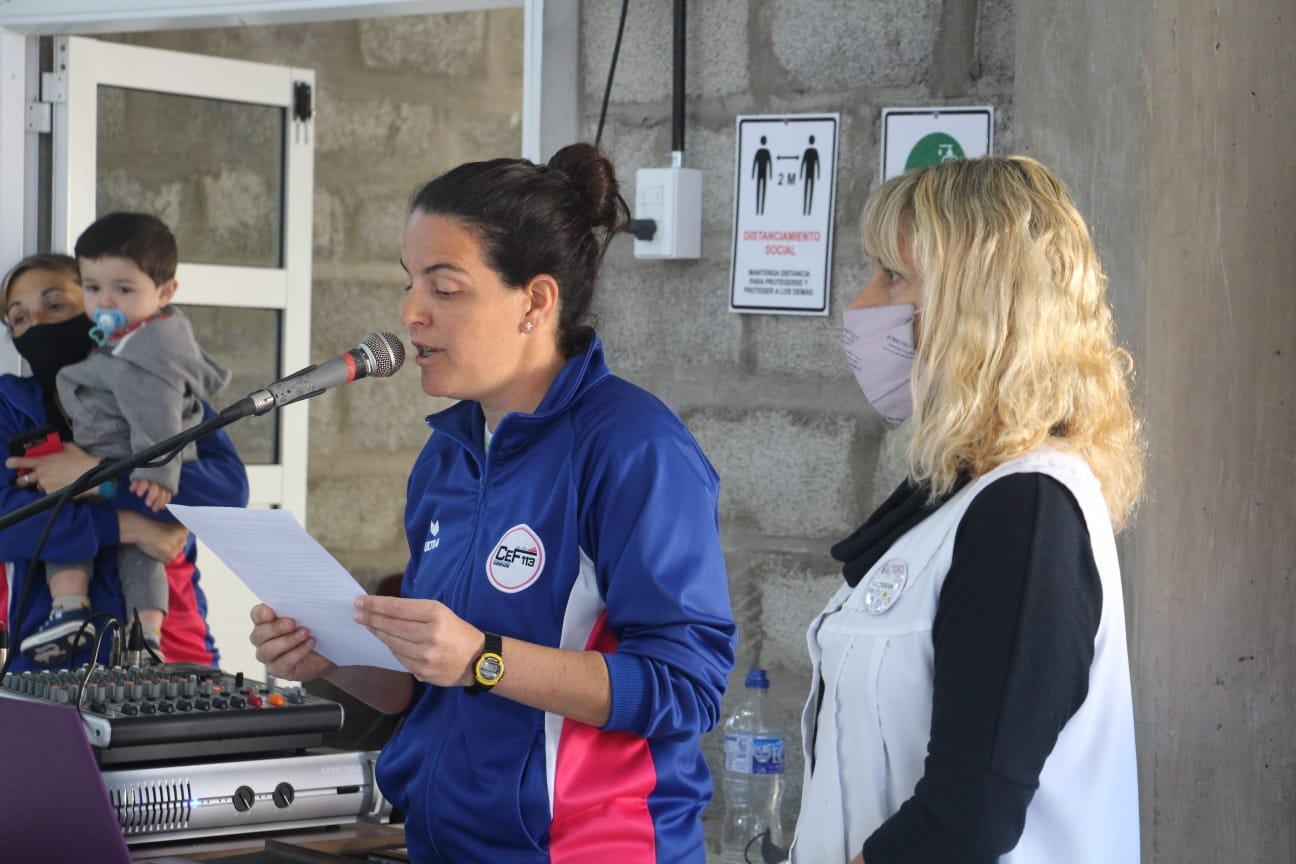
388 353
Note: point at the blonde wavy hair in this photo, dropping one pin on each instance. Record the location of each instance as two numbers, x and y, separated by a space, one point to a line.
1016 342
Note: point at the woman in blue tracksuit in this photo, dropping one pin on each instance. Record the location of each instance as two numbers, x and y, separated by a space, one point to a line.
44 312
565 616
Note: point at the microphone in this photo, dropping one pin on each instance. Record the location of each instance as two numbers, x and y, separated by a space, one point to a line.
379 355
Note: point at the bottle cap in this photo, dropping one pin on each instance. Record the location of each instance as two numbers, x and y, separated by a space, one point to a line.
757 678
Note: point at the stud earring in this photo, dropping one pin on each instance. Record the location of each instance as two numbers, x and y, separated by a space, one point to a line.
527 326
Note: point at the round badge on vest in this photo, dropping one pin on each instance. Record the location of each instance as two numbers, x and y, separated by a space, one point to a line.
884 586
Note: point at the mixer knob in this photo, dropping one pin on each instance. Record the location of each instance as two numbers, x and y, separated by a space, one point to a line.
283 795
244 798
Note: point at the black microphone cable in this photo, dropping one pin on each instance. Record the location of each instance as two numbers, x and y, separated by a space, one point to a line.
113 623
136 645
607 88
80 634
24 600
37 570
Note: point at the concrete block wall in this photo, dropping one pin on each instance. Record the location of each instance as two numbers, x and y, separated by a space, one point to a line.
770 398
1164 118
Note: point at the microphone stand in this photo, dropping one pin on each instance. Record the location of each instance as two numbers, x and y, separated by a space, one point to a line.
112 469
257 403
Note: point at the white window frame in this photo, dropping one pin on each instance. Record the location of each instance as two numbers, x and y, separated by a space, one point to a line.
81 66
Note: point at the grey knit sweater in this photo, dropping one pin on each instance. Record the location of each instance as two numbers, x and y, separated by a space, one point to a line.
141 388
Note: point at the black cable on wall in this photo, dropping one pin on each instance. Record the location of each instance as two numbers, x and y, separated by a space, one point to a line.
607 88
677 95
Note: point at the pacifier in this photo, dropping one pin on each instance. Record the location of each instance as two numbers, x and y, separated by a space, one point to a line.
106 323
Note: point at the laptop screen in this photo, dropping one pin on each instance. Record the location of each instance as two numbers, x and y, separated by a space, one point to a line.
54 808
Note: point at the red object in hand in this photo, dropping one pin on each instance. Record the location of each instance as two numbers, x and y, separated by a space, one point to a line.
51 443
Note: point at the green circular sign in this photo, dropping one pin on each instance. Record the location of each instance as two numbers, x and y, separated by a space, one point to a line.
933 149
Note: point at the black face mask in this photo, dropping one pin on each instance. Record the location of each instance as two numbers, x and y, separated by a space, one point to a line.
47 348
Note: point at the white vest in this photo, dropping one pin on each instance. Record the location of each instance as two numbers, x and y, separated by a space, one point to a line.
875 719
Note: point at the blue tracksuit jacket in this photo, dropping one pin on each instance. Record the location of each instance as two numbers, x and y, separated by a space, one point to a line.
85 530
590 524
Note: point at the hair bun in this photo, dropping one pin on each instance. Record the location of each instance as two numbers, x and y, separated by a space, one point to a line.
594 179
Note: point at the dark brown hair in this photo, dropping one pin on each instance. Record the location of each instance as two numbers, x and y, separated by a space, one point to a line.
531 219
139 237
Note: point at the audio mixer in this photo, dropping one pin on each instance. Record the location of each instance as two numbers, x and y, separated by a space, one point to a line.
180 711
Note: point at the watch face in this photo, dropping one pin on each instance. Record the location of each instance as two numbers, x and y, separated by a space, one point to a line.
489 668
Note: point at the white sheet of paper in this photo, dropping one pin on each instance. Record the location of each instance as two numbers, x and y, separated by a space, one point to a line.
292 574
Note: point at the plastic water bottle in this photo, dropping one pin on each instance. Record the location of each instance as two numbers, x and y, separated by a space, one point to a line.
753 780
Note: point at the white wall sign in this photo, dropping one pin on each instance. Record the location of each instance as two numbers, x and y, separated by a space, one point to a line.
918 137
783 213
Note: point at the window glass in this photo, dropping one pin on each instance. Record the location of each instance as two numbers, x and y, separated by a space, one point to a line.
211 169
246 342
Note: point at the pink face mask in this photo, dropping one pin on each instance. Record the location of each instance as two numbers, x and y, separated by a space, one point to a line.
879 345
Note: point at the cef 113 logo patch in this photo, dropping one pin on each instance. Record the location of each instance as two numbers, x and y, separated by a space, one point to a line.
517 560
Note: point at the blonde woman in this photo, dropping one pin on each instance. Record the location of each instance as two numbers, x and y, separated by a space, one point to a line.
971 695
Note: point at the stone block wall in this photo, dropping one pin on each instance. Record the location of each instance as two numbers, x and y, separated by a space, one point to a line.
770 397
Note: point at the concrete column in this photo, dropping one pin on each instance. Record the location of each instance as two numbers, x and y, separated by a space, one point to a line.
1173 123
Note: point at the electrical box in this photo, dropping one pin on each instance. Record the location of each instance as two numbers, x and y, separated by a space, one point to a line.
671 197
